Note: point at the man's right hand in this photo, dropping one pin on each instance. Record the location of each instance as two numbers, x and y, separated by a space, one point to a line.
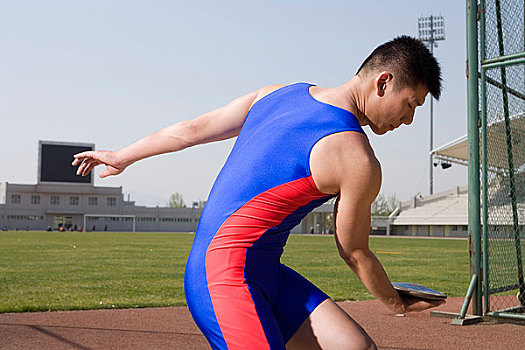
416 304
90 159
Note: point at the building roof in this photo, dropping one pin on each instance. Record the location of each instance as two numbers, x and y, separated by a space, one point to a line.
456 151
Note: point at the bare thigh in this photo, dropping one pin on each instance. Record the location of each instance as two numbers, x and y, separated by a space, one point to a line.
329 327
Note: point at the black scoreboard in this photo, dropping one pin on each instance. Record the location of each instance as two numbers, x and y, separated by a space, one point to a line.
55 160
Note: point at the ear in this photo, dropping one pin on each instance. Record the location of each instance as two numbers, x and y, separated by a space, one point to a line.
382 81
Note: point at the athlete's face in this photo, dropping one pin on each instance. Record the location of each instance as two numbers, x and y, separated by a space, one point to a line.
390 108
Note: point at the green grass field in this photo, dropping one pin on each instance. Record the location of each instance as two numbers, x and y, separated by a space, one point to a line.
71 271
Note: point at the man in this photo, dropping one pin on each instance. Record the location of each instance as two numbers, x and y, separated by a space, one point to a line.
297 146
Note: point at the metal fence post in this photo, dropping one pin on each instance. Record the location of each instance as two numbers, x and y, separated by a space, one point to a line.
473 151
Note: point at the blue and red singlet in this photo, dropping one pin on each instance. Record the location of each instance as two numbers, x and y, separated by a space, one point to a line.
238 292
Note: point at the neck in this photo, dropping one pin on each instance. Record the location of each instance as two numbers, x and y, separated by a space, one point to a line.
353 92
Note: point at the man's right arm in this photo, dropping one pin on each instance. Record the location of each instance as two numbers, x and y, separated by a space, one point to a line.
352 235
220 124
345 164
359 184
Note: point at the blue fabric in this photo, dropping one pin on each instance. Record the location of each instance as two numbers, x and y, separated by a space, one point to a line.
273 148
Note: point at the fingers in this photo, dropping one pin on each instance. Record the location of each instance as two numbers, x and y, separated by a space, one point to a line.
89 167
81 167
440 302
431 304
82 155
86 166
80 158
421 305
88 160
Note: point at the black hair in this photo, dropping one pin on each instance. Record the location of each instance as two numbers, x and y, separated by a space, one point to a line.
409 60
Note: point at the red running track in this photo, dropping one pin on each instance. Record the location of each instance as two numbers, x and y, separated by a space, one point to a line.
173 328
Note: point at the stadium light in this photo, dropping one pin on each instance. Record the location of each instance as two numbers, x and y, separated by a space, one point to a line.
431 29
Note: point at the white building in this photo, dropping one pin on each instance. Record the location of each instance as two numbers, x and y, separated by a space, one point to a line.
75 206
442 214
62 200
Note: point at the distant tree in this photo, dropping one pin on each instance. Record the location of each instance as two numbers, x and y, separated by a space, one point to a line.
384 206
176 201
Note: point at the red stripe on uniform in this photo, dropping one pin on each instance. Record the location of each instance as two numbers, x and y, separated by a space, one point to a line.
226 256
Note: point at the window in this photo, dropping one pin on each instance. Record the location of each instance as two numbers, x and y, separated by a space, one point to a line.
24 217
55 200
146 219
182 220
92 201
35 200
112 201
15 198
73 200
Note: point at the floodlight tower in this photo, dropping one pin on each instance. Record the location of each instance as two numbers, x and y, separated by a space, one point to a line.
431 29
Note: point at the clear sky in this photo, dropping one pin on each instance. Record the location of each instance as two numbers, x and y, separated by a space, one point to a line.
111 72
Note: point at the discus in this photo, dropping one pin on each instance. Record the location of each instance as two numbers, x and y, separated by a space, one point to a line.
417 291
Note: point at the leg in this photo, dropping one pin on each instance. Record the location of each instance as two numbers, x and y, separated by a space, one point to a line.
231 313
309 319
329 327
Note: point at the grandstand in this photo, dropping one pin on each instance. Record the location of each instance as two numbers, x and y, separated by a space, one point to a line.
443 214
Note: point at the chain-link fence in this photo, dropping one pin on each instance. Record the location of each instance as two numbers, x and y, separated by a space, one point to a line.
502 101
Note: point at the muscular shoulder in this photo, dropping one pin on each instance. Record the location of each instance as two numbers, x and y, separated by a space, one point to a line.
345 161
266 90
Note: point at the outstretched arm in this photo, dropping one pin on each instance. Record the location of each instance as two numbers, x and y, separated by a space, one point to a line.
220 124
